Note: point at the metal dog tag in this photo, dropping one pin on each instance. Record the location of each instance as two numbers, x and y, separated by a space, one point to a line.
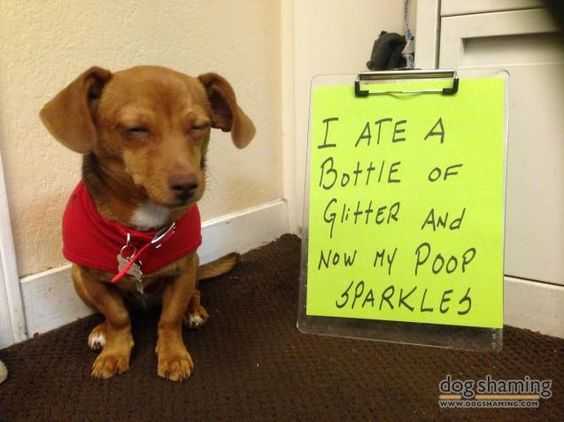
134 271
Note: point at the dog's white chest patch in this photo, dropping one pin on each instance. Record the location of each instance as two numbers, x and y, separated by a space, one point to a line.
150 216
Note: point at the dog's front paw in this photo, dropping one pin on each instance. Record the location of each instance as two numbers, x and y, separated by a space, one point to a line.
195 318
174 365
108 364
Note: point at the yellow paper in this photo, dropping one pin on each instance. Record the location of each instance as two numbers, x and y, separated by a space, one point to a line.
406 204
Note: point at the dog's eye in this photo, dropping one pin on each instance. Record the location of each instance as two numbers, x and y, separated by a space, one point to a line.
137 131
199 128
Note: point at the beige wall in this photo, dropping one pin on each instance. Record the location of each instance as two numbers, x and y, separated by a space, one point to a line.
45 44
331 37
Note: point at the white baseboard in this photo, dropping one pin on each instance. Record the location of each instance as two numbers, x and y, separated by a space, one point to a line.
49 297
535 306
50 300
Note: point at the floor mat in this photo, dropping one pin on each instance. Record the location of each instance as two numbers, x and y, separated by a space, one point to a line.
252 364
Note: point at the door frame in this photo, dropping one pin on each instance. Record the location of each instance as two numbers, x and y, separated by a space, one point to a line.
12 318
427 34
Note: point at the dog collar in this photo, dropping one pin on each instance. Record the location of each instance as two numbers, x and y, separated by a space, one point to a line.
129 258
93 241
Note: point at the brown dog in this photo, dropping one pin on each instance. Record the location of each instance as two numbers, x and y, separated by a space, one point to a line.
144 133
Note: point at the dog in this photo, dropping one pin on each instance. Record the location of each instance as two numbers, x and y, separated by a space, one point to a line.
131 227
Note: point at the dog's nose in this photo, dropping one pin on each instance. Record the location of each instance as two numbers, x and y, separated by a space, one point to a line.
183 186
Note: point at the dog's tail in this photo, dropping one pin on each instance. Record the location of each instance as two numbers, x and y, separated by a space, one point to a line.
219 266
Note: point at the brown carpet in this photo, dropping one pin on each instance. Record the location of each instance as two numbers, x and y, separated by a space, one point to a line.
252 364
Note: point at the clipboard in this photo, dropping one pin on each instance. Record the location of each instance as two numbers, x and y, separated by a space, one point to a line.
344 129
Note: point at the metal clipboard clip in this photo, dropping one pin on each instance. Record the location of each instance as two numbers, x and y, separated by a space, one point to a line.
367 77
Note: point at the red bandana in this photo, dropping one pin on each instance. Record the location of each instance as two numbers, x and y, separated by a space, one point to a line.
92 241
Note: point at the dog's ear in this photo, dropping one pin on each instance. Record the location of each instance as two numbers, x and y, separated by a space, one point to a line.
227 115
68 116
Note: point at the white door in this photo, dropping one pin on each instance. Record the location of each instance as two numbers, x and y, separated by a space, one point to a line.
525 43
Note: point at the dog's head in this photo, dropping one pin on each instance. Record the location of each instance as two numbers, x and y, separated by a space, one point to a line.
149 125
